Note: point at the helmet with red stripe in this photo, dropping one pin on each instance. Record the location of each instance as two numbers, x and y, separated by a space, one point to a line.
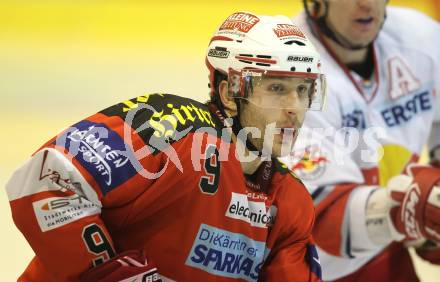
248 48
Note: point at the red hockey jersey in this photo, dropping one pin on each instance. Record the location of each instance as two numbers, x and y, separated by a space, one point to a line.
159 173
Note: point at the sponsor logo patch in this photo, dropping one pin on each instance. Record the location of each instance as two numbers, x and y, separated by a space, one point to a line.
242 22
402 113
355 118
218 53
165 122
54 212
254 213
101 151
227 254
285 30
56 178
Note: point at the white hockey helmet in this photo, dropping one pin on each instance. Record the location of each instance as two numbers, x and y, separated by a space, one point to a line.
249 48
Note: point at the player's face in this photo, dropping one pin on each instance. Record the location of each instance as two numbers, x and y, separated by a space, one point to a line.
282 123
358 21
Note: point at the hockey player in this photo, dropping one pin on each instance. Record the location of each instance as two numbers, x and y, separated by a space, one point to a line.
383 73
165 184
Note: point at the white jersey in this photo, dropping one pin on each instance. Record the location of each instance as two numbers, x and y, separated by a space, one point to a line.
368 132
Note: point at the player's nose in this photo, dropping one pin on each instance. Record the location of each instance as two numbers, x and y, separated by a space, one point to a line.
366 5
295 116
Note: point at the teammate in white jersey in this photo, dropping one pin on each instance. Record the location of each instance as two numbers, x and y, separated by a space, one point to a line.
383 69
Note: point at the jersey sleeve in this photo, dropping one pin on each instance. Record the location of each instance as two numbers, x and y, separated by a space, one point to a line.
293 256
58 196
58 212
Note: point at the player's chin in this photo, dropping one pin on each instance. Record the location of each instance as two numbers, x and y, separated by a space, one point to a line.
365 39
362 42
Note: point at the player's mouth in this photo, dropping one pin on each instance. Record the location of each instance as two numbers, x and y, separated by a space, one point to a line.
288 131
364 22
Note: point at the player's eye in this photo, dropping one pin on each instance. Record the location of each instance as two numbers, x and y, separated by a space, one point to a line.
276 88
302 90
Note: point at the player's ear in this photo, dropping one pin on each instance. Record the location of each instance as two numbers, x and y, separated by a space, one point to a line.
227 101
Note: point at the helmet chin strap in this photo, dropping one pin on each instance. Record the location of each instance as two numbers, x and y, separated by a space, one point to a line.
260 180
336 36
236 124
236 127
331 33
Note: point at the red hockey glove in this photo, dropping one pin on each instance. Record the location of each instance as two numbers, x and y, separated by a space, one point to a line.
418 194
128 266
430 252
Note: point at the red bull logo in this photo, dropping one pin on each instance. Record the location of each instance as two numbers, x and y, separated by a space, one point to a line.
310 165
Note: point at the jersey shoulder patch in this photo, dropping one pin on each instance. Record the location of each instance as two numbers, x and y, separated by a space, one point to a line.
164 117
101 146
